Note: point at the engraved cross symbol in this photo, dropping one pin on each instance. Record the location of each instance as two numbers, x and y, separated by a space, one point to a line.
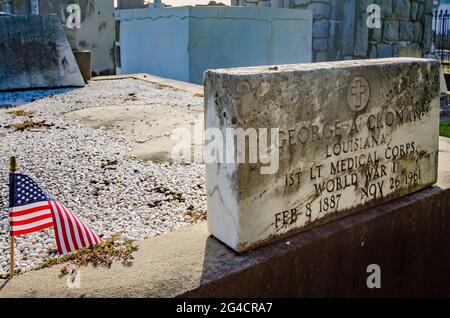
358 92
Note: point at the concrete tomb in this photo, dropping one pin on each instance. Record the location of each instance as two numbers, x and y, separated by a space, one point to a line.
182 42
341 137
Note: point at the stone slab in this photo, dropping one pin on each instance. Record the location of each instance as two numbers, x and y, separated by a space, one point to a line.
35 54
147 129
352 135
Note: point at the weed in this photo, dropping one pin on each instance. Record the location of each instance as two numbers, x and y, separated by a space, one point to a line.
29 124
19 113
102 255
196 215
444 129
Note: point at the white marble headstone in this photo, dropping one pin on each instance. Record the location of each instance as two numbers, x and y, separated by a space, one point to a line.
351 135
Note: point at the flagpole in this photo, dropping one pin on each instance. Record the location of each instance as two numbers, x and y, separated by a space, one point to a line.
12 170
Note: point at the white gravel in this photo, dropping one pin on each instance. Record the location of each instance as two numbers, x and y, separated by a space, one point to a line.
88 170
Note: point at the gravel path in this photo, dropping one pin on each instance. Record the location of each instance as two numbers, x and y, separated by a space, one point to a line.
88 169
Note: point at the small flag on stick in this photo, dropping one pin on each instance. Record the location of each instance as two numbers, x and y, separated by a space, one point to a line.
32 210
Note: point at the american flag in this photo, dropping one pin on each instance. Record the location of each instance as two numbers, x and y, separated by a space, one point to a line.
32 210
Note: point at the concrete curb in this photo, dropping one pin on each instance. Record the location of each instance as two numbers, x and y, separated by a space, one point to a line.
193 88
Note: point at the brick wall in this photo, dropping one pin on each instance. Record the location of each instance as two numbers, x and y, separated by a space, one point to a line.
340 27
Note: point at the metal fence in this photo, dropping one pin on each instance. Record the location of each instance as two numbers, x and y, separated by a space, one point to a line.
441 37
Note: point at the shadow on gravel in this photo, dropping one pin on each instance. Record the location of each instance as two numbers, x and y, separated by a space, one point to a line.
20 97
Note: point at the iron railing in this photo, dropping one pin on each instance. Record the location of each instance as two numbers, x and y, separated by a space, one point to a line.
441 37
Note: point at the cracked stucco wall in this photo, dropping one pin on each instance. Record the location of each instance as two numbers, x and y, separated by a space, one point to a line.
97 32
182 42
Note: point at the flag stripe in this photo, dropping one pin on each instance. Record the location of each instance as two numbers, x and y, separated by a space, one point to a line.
89 237
65 226
63 222
73 228
29 206
26 210
30 225
47 215
81 233
68 228
97 237
58 229
31 215
94 239
31 230
94 236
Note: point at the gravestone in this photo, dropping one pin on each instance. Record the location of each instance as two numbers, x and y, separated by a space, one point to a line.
348 135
